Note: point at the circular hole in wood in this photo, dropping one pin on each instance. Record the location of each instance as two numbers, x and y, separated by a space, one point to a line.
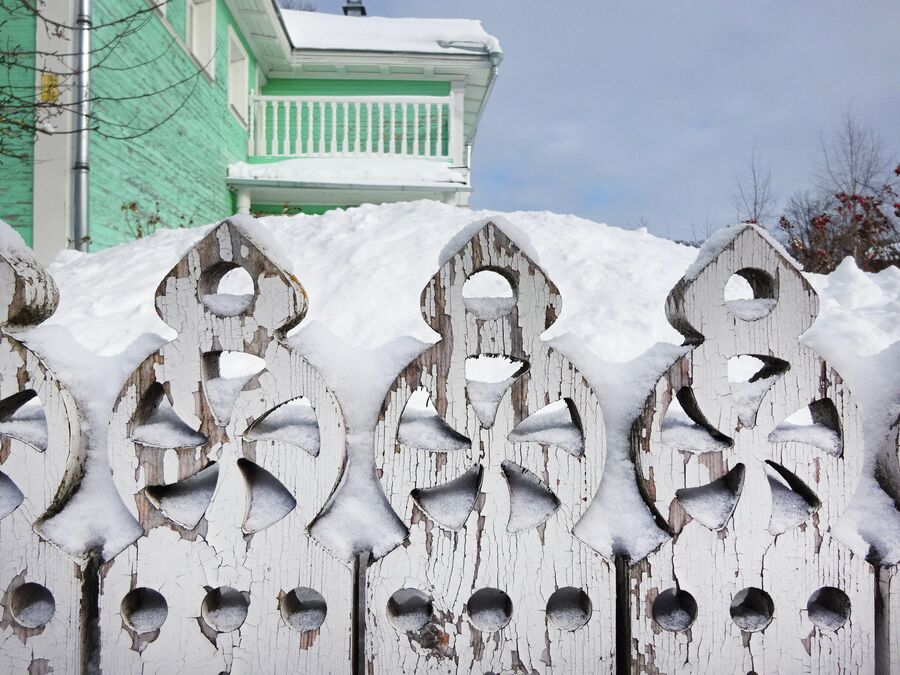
569 608
488 294
303 609
674 610
489 609
32 605
224 609
752 609
226 289
751 294
829 608
409 609
144 610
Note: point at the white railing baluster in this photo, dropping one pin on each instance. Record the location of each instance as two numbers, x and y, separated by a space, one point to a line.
357 126
320 149
405 108
333 148
370 130
428 152
393 129
416 129
275 106
439 149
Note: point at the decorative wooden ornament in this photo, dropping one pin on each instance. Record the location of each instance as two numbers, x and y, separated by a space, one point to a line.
41 462
752 579
225 444
490 446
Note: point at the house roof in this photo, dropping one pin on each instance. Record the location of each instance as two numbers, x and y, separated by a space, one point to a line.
315 30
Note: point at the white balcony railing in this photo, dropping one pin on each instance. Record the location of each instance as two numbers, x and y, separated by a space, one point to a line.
425 127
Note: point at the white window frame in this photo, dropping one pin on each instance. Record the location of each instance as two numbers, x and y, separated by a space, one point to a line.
200 33
238 77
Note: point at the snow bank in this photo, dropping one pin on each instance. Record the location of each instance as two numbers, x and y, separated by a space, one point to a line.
364 269
362 171
317 30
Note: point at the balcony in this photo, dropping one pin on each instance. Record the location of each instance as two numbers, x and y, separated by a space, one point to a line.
345 150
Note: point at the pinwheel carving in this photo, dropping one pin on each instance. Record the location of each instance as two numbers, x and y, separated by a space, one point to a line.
41 461
749 448
489 447
225 444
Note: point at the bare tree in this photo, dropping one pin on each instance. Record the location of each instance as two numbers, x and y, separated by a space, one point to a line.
117 46
753 200
852 160
302 5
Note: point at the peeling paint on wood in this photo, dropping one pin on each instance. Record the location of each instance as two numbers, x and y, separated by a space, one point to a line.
758 583
509 589
226 578
42 459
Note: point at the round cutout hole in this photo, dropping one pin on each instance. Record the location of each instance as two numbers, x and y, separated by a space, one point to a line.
144 610
829 608
751 294
224 609
489 609
227 289
409 610
303 609
569 608
488 295
674 610
32 605
752 609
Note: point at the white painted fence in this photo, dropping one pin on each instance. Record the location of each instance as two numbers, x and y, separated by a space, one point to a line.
490 447
424 127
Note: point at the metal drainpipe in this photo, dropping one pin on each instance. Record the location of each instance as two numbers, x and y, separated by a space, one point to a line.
80 169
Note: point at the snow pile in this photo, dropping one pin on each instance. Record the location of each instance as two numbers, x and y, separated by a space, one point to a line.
364 270
389 171
317 30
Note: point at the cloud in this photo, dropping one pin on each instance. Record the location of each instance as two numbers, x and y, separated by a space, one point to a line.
621 111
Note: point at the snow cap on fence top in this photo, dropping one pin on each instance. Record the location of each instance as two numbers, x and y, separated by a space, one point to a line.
470 258
698 301
29 294
278 301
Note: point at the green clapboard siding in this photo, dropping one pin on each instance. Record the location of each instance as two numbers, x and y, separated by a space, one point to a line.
291 87
288 210
179 168
17 30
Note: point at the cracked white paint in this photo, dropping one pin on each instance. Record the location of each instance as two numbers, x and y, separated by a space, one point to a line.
183 564
530 565
715 565
28 296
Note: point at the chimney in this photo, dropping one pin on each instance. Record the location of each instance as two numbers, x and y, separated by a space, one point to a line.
354 8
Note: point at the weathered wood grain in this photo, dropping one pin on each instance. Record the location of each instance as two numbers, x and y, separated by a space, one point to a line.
789 557
209 555
533 565
41 462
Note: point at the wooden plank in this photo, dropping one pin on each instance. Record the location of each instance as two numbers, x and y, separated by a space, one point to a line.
242 547
40 587
778 538
530 565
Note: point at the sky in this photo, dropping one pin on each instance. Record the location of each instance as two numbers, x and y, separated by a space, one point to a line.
643 113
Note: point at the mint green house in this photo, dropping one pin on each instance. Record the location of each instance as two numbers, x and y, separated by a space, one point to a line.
204 108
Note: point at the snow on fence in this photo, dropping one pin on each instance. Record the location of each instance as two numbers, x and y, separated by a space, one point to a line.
226 444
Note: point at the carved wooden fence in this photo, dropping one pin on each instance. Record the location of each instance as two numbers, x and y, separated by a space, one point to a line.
226 444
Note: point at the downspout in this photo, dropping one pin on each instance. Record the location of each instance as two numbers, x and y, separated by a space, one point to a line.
496 59
80 169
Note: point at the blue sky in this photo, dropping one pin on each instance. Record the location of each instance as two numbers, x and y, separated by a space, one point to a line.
643 112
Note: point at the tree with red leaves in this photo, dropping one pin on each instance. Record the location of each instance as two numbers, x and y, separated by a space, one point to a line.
855 211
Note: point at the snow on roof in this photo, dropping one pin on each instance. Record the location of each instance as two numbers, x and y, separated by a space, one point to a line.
364 269
357 171
316 30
